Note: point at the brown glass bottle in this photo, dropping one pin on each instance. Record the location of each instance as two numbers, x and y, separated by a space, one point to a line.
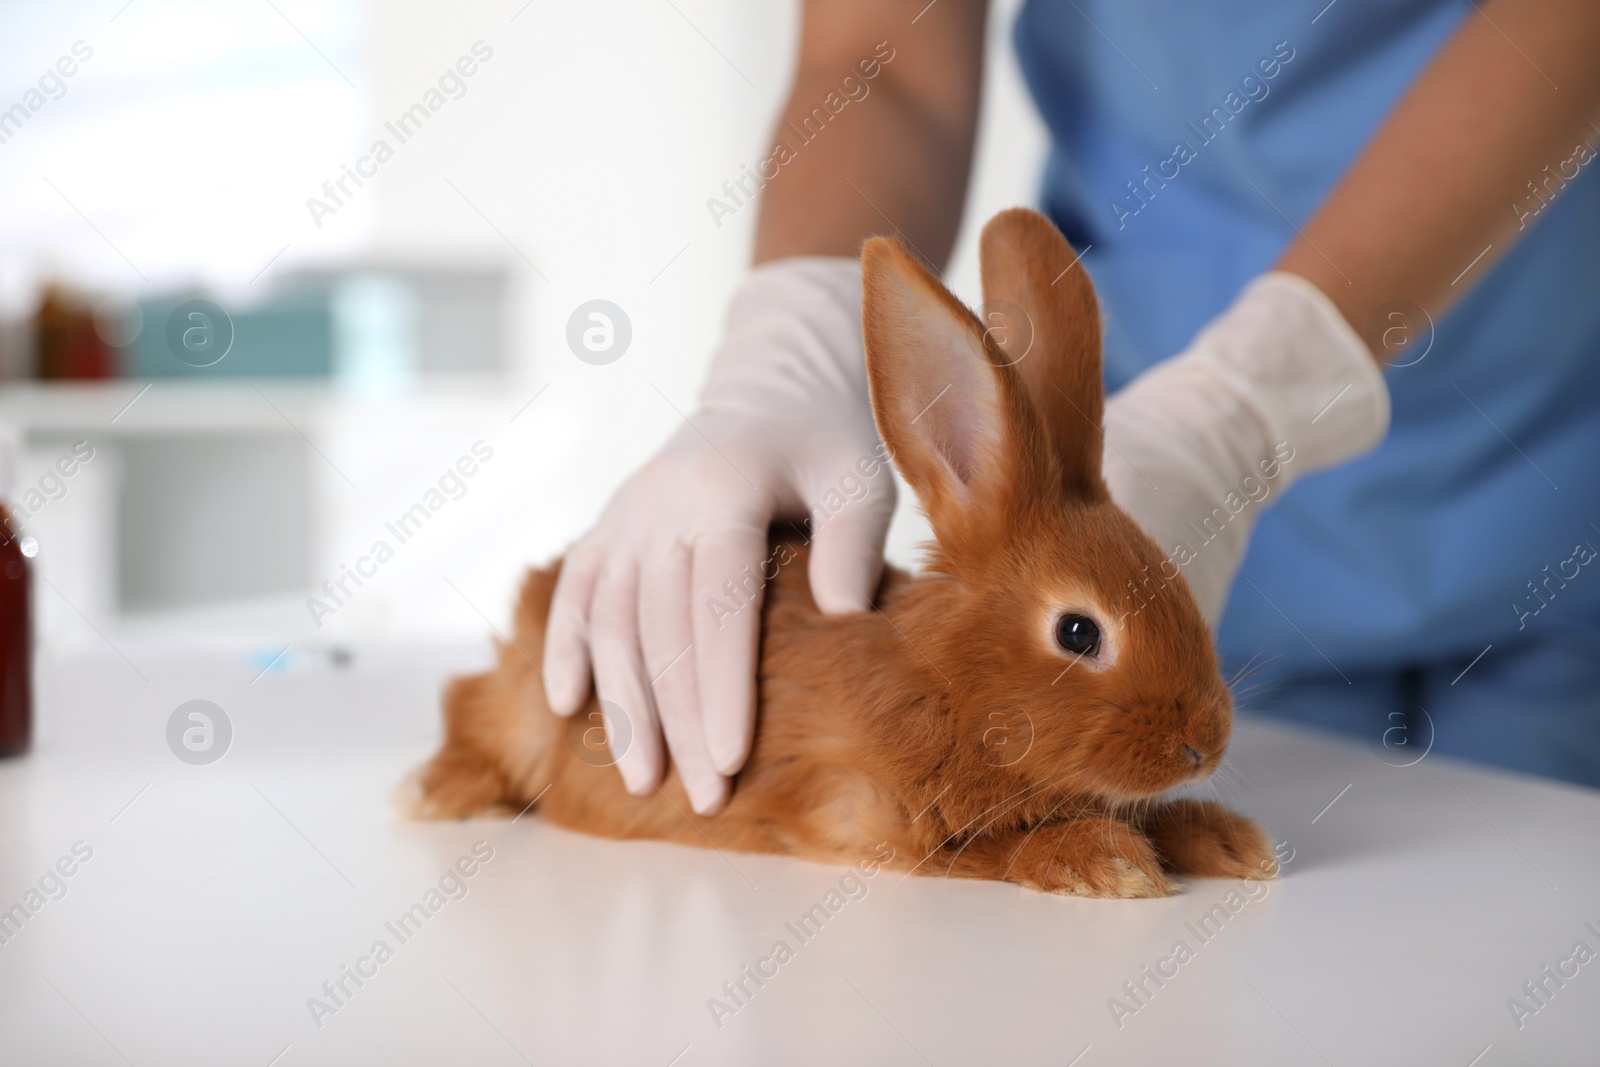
16 641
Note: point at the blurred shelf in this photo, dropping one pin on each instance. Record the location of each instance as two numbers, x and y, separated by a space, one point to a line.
133 407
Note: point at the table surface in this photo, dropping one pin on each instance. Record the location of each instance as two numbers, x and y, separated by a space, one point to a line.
215 902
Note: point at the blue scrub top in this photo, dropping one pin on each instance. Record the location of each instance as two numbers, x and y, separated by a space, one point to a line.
1188 140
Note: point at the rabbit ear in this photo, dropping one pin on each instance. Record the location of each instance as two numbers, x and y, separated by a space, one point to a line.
957 424
1046 321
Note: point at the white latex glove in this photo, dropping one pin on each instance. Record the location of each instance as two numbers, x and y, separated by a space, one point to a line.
663 597
1274 388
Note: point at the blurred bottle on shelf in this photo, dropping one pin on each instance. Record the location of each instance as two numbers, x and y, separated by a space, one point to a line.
67 347
16 614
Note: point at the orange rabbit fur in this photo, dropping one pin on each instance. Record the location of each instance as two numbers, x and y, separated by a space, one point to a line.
948 722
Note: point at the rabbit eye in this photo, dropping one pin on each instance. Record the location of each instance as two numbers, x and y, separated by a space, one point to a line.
1079 635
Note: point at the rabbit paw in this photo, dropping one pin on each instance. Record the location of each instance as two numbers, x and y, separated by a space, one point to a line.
1101 858
1205 839
1086 856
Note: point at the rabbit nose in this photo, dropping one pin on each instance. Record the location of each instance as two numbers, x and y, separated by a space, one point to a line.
1194 754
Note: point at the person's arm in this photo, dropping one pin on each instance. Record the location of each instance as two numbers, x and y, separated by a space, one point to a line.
1446 177
896 161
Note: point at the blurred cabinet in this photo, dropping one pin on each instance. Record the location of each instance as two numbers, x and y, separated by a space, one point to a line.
375 325
211 495
203 519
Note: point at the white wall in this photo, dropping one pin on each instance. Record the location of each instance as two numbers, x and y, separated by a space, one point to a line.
181 150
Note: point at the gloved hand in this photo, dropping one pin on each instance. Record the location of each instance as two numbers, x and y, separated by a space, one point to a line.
663 596
1275 388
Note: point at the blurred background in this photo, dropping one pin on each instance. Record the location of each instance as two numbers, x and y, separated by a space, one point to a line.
242 345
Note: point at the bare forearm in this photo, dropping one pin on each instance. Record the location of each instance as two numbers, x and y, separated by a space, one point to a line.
1447 175
895 157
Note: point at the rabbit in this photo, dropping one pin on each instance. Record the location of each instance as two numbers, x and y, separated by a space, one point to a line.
1014 713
